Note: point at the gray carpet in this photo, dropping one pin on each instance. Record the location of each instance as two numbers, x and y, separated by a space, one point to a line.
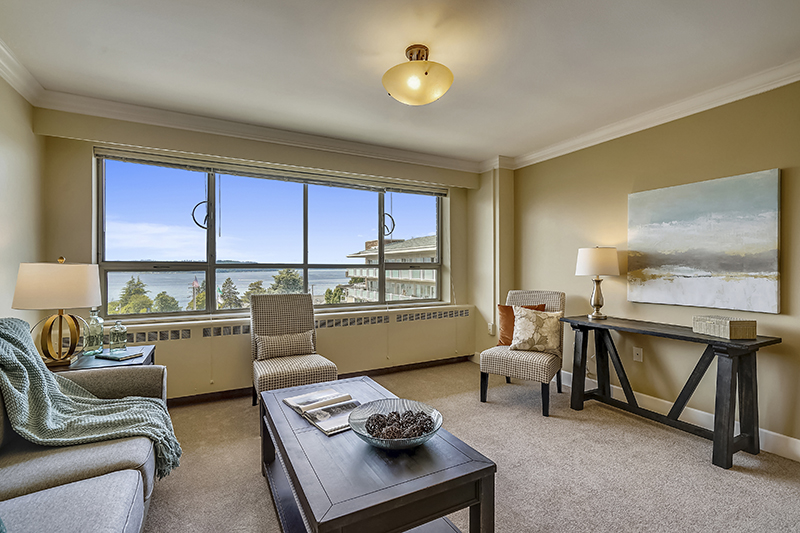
599 469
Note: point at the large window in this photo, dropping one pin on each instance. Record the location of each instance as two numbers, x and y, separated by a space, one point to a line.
177 239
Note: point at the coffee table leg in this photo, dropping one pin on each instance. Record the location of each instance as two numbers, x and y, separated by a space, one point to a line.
481 515
267 446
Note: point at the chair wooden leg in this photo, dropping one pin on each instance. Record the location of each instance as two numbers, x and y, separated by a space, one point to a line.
255 396
508 379
558 381
545 399
484 385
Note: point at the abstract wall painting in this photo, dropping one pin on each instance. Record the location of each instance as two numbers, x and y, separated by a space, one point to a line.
708 244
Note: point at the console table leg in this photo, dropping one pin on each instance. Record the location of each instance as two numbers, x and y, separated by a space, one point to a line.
748 402
724 411
578 369
601 360
481 515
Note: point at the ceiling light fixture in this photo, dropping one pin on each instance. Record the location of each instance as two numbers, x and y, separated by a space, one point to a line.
418 82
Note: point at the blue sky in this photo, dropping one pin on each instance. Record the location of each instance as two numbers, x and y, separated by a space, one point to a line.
148 217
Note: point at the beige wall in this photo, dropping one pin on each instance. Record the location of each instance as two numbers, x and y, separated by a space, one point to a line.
580 200
208 364
491 250
21 160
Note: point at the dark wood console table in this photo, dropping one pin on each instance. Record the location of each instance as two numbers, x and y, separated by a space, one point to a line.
736 371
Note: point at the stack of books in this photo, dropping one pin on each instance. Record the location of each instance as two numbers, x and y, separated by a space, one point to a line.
327 409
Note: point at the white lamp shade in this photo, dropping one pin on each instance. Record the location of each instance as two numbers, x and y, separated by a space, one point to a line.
57 286
598 261
417 82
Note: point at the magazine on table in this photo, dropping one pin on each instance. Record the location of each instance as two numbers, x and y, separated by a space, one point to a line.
120 355
315 400
333 418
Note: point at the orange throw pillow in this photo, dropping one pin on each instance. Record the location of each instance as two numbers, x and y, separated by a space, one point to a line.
506 322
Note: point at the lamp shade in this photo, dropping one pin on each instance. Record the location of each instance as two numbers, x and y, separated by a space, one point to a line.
418 82
57 286
597 261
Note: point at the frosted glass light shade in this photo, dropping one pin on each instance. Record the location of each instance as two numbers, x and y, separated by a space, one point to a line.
597 261
417 82
57 286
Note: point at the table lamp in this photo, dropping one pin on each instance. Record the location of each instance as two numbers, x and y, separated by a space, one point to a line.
57 286
597 261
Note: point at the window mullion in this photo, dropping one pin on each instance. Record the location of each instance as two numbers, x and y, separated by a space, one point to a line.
211 244
381 259
305 237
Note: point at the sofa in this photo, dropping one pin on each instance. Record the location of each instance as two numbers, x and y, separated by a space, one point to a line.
102 486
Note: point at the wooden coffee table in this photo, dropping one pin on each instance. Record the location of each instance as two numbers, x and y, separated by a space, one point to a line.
342 484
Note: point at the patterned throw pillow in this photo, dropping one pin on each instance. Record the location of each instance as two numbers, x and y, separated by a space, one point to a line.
505 324
269 346
536 331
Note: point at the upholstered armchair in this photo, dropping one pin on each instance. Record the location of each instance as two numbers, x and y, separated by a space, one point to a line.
283 343
531 365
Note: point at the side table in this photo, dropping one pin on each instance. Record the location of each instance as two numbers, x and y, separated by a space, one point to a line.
85 362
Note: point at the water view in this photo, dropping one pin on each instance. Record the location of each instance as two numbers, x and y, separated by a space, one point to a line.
179 285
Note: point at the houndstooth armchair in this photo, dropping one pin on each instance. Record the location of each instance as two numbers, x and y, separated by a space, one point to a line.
527 365
283 342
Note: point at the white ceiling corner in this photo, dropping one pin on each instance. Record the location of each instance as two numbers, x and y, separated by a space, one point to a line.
750 86
18 76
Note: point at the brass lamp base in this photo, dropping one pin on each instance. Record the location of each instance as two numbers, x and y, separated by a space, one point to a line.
597 300
57 362
597 315
49 351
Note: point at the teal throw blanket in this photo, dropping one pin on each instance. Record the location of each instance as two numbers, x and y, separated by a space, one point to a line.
51 410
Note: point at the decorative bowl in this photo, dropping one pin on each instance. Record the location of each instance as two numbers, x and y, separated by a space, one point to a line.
359 415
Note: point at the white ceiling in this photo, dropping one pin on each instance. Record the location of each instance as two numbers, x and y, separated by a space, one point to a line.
530 75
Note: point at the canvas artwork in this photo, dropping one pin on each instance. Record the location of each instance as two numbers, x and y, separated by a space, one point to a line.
709 244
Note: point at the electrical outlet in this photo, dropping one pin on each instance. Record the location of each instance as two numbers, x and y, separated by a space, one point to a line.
491 328
638 354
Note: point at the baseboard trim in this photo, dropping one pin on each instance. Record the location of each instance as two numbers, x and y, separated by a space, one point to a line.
783 445
403 368
209 397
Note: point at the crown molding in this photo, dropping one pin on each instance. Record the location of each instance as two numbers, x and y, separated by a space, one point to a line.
22 81
18 76
158 117
499 161
29 88
750 86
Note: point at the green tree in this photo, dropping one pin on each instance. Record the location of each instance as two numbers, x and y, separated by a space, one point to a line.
164 303
334 296
138 303
134 287
230 296
132 300
355 280
199 300
287 281
257 287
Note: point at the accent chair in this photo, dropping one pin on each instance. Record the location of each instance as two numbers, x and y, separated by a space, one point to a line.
283 343
523 364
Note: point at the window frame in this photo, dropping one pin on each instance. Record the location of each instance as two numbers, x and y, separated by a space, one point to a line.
210 266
